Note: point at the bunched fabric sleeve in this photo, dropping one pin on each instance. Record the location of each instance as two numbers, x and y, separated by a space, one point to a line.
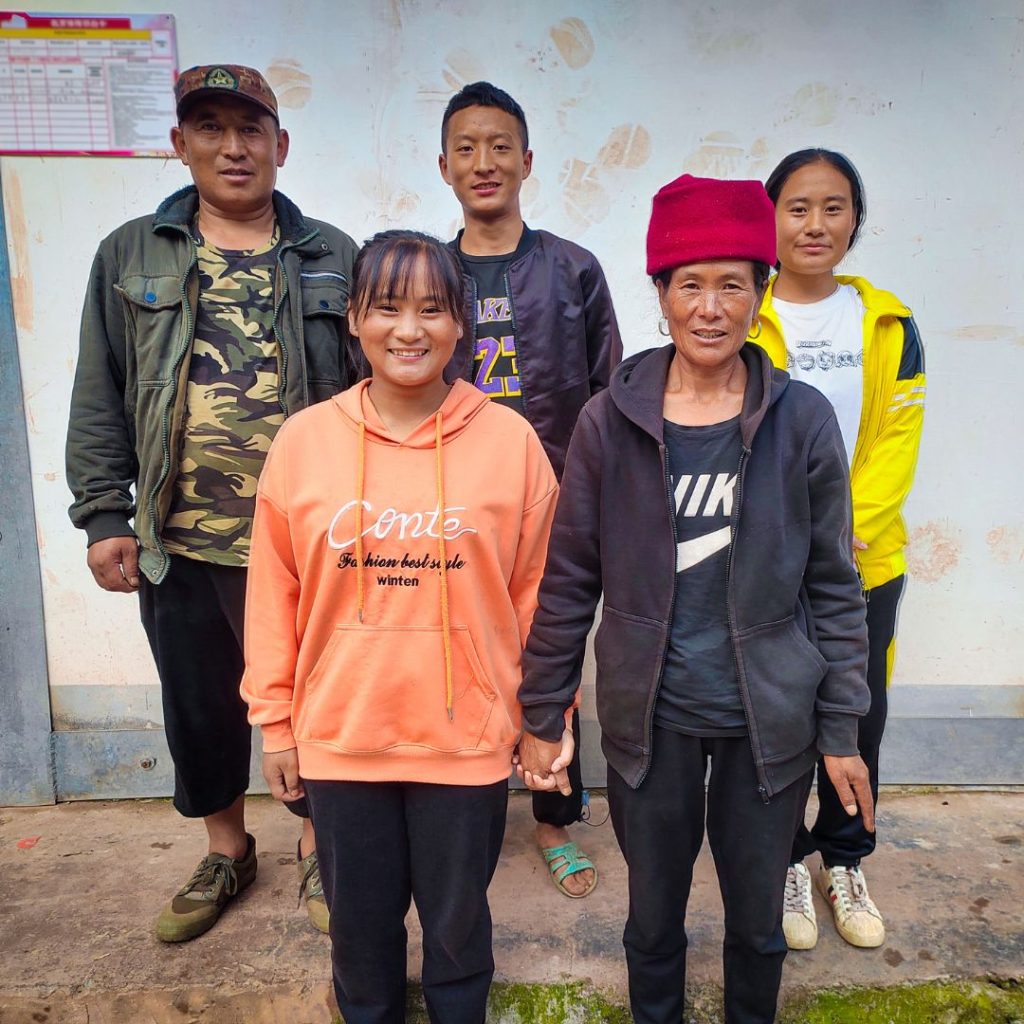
885 474
569 591
99 458
835 598
534 531
271 604
604 344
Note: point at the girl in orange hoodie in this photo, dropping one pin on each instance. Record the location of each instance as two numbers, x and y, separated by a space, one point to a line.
399 539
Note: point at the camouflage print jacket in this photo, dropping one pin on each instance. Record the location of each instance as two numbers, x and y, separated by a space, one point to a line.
127 405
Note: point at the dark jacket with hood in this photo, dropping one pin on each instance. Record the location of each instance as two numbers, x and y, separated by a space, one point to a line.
567 337
796 612
138 326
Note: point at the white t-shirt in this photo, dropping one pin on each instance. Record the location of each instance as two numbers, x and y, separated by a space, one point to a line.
825 348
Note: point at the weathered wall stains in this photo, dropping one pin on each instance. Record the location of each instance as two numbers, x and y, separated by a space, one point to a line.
21 265
934 550
462 67
814 104
584 198
587 188
617 108
628 145
720 155
1006 544
716 37
989 332
574 42
290 82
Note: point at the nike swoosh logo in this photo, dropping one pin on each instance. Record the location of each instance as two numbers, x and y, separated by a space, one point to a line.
690 552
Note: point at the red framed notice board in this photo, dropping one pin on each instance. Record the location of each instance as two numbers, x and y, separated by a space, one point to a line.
94 84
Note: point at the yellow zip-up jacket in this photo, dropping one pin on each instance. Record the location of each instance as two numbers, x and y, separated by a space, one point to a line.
892 415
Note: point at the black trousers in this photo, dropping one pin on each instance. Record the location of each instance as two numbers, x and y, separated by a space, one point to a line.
840 838
194 622
660 827
551 808
380 844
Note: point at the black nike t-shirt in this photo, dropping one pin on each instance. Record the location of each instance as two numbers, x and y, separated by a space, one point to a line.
699 692
496 359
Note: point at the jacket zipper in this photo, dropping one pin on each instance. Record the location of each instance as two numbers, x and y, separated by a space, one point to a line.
762 788
649 724
515 334
322 273
471 326
165 437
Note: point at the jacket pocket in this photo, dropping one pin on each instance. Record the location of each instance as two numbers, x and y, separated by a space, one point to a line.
783 670
153 311
378 687
325 330
628 650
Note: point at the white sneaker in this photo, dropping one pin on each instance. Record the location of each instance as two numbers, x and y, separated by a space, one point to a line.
856 916
799 922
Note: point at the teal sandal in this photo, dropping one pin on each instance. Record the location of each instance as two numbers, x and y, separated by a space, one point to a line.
566 860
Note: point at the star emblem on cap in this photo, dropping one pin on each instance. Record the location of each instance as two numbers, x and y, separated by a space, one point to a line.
221 78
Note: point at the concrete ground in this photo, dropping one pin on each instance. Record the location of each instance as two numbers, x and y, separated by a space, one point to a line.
81 884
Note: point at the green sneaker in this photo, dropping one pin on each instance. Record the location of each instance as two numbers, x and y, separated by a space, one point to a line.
312 889
195 907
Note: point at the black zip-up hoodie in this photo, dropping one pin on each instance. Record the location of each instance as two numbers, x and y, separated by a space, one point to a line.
796 611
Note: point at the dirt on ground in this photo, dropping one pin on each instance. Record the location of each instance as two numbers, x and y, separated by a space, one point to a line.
81 885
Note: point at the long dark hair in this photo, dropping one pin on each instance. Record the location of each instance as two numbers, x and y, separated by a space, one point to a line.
801 158
387 262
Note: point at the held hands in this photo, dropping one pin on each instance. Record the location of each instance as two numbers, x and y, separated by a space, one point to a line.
114 564
281 770
544 766
849 775
859 545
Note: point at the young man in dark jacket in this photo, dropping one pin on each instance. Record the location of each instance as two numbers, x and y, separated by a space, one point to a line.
204 326
545 339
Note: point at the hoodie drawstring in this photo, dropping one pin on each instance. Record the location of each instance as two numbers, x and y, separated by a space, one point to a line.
442 551
360 494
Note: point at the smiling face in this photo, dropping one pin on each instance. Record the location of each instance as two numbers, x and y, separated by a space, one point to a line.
407 338
233 149
710 308
815 218
484 161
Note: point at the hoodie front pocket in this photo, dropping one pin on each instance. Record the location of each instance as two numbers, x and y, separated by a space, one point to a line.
378 687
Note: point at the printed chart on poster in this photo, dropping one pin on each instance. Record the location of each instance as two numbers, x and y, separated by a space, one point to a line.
92 84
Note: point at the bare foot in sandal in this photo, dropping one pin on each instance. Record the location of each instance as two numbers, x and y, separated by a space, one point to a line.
575 883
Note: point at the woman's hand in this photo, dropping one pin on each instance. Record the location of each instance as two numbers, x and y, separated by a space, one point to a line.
850 777
544 766
281 770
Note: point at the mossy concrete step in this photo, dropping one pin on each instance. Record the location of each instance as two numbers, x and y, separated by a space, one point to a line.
987 1001
984 1001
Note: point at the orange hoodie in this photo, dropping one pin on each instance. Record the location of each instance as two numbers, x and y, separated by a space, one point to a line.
391 589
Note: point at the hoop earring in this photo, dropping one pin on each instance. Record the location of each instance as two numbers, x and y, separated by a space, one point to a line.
663 328
752 336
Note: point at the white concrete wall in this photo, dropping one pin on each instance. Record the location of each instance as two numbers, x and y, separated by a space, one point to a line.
924 95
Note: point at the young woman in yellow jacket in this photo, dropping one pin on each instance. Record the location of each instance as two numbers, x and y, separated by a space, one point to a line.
860 347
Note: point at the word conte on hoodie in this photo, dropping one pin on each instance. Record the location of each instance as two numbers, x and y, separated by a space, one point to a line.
391 589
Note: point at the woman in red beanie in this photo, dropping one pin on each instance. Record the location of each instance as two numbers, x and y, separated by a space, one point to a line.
707 496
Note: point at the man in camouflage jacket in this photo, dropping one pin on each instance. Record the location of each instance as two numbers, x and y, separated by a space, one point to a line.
204 326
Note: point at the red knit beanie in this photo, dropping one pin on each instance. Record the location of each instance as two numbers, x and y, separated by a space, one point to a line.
698 219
